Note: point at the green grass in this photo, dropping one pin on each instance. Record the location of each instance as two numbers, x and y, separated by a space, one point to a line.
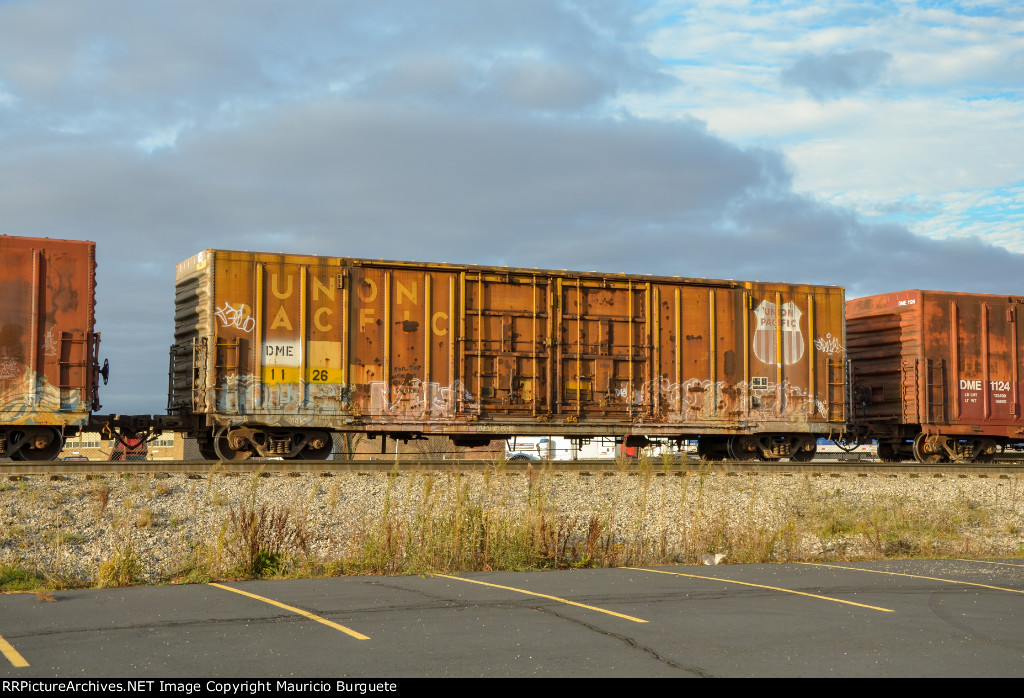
15 578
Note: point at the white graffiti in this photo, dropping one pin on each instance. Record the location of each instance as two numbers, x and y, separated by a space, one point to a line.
50 344
697 400
283 397
828 344
421 400
9 369
415 400
238 394
239 317
637 397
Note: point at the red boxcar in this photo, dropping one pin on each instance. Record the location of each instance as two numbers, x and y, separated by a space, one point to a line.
48 349
935 376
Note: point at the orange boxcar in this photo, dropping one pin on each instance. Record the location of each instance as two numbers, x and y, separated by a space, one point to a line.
48 349
275 352
935 376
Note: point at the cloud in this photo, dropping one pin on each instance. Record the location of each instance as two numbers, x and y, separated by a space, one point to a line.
174 61
369 179
836 74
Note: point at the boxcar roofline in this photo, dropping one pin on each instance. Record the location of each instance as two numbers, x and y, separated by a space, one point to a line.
286 258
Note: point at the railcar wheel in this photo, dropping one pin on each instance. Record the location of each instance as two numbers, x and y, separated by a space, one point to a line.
925 451
743 448
712 448
49 452
319 447
887 453
223 449
206 449
984 450
44 448
804 455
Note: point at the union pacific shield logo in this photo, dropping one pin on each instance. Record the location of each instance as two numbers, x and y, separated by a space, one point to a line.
769 319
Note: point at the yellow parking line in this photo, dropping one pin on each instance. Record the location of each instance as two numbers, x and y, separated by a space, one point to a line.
916 576
762 586
12 654
545 596
307 614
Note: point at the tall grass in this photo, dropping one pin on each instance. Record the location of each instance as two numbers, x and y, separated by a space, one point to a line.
438 524
424 523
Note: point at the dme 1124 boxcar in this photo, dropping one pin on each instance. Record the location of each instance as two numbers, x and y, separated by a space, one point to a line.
935 376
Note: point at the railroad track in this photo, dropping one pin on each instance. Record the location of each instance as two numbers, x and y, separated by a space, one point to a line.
1004 467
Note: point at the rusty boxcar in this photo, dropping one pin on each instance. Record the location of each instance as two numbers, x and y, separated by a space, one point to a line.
935 376
48 349
275 352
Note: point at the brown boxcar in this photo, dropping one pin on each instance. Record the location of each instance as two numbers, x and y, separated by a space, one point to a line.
935 376
274 352
48 350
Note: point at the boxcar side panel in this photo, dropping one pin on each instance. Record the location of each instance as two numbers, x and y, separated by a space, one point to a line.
47 345
316 342
941 368
972 345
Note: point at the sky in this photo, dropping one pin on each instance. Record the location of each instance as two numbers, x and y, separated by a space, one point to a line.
872 145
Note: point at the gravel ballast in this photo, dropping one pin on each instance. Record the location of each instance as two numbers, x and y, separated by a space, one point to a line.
64 530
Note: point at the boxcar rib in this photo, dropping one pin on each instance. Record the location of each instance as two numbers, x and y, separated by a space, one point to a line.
275 352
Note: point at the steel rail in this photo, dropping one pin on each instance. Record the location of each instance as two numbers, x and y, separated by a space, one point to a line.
673 466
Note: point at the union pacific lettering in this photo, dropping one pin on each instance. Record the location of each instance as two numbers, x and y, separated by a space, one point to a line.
367 293
789 320
770 320
324 302
323 293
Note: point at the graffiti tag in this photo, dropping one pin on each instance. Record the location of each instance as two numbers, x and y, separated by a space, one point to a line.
9 369
419 399
50 344
828 344
239 317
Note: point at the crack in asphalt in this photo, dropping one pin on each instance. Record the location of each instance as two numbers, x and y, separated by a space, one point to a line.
625 639
935 606
282 618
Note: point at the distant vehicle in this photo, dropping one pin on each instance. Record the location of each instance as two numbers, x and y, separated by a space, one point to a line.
521 457
560 448
629 451
831 450
74 458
